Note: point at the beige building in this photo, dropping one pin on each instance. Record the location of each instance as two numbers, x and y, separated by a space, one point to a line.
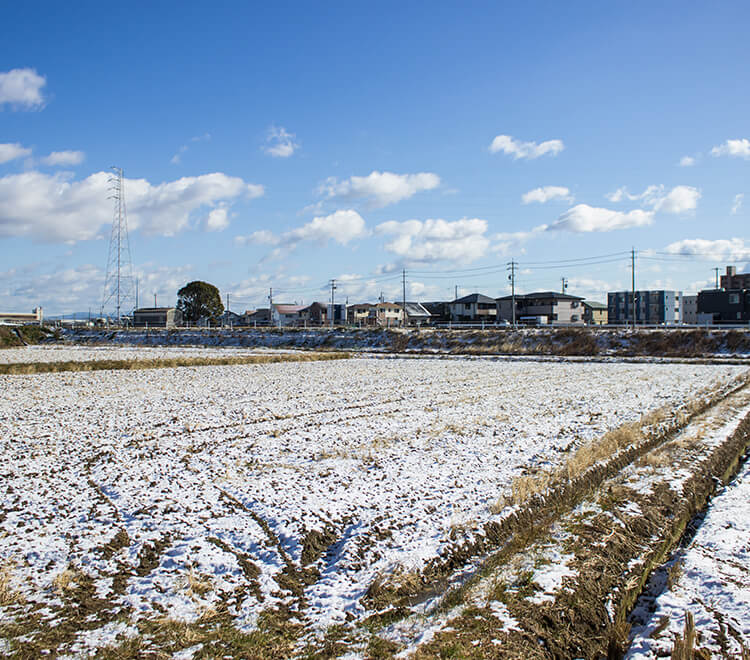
594 313
21 318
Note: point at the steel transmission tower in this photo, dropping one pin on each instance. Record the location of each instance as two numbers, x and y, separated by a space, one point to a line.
119 285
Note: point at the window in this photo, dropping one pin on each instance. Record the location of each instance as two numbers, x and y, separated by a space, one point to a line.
467 305
734 298
574 318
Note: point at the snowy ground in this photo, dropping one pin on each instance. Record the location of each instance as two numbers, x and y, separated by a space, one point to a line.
220 473
710 579
57 353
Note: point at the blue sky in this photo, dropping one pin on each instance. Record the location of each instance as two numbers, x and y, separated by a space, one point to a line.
284 146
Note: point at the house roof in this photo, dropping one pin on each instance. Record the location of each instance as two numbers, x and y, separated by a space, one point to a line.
474 298
289 309
594 305
555 295
415 310
153 309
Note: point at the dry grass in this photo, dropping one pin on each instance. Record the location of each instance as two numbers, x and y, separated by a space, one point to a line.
63 581
18 368
525 487
196 585
8 596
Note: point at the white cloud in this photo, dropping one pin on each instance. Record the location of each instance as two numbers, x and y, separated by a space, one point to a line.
341 226
56 208
687 161
726 250
545 194
63 158
21 88
737 203
379 189
584 218
679 199
530 150
280 143
416 241
12 150
218 219
739 148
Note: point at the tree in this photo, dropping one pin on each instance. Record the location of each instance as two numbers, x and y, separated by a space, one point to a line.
198 300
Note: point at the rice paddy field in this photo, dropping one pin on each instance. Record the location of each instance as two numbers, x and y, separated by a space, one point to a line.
351 507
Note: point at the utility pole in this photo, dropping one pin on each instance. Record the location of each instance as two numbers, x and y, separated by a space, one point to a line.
136 293
154 298
403 311
564 283
716 270
333 300
632 267
455 296
512 277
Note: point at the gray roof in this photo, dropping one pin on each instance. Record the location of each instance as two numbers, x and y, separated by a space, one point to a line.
474 298
594 305
556 295
415 310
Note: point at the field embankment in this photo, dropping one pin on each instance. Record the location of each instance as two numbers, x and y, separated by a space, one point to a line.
586 342
24 335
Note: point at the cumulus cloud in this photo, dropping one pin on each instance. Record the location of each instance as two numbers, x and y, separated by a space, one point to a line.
56 208
12 150
21 88
280 143
739 148
583 218
63 158
545 194
679 199
737 203
687 161
727 250
341 226
417 241
379 189
218 219
529 150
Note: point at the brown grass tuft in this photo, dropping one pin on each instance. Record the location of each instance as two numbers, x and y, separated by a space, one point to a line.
8 596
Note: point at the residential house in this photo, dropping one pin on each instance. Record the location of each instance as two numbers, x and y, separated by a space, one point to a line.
651 307
416 314
474 308
261 316
594 313
229 319
389 314
363 314
283 315
542 307
157 317
440 311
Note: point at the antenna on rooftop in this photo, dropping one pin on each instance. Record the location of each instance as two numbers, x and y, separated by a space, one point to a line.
119 285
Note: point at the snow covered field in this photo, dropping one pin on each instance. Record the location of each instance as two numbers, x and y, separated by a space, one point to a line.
173 490
56 353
